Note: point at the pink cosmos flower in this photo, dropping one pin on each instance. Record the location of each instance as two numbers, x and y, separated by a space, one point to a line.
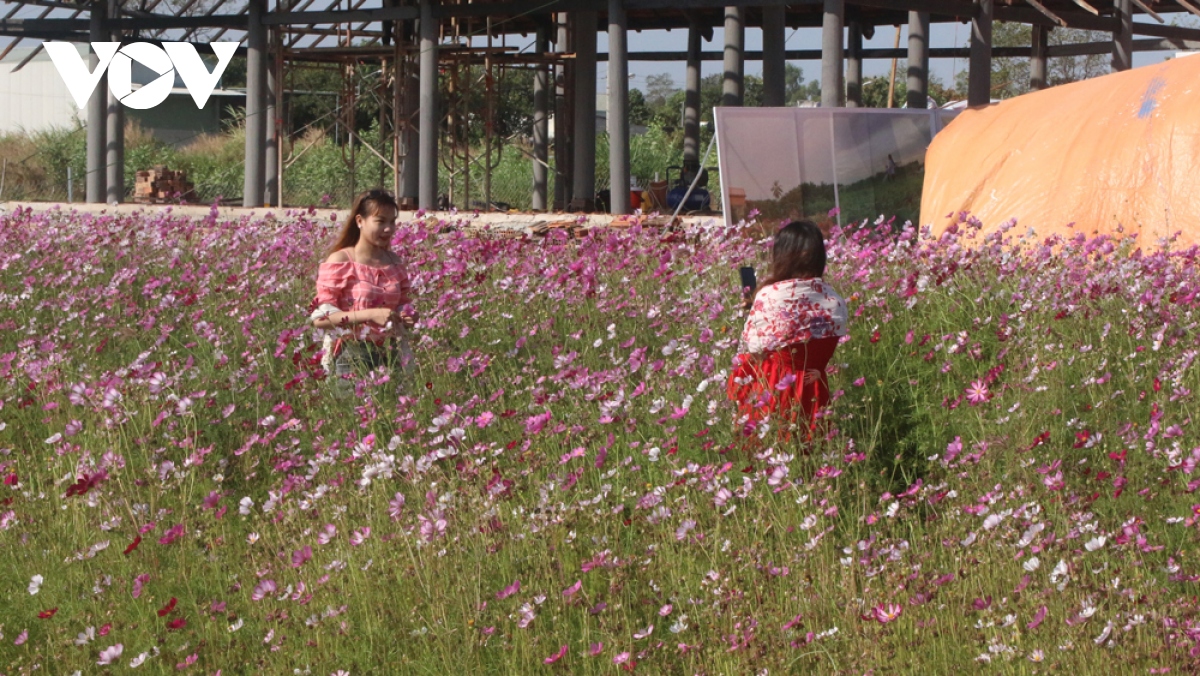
596 649
263 589
327 534
509 590
171 535
395 506
621 658
110 654
886 613
573 589
138 583
301 556
360 536
977 392
1037 618
556 656
22 637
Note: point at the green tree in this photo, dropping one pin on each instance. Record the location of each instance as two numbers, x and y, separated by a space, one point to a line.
1010 75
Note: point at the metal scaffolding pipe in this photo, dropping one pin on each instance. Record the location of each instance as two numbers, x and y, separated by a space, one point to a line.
918 59
1037 58
732 91
427 153
854 59
774 61
115 136
831 54
256 98
541 126
1122 49
97 115
618 109
562 115
979 82
270 141
583 188
691 101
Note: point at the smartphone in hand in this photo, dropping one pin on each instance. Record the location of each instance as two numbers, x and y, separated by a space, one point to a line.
749 280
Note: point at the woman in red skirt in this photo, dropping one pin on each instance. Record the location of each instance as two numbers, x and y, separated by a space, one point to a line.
796 321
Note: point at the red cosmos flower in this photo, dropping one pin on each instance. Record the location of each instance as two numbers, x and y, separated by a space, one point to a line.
177 624
165 610
47 614
86 483
11 479
133 545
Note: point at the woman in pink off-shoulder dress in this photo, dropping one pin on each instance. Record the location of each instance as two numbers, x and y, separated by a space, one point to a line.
796 321
364 294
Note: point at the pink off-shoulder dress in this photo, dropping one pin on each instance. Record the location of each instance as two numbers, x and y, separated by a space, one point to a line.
347 286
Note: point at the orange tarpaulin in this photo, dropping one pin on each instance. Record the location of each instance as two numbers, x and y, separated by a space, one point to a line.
1119 153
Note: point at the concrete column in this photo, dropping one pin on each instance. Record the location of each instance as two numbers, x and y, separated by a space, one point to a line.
918 59
583 185
271 140
1122 54
854 65
774 26
97 115
541 121
562 115
691 101
1037 60
427 152
732 92
832 91
115 136
979 84
256 103
618 109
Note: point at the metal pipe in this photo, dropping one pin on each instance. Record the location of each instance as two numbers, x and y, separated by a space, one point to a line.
541 121
271 138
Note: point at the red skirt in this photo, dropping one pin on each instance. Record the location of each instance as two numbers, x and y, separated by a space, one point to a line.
772 384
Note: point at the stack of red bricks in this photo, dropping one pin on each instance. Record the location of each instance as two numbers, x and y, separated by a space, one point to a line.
161 184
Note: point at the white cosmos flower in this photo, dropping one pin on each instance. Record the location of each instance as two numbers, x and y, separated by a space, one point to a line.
1095 543
35 584
1032 564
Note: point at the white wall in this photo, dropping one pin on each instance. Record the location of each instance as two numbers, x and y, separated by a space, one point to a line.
34 98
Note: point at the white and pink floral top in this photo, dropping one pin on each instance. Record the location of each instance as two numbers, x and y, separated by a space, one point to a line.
793 311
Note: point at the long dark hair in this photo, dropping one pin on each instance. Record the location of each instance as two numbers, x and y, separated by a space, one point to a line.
366 205
798 253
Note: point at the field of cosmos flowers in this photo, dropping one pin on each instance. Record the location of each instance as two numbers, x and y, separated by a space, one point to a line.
1005 480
